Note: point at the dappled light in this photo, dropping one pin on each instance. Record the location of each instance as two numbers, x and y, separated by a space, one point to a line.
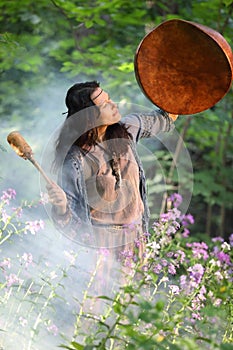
170 286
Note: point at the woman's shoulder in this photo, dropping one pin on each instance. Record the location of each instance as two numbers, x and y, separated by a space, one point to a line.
74 154
133 124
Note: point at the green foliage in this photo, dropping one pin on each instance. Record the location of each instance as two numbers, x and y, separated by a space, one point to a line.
177 296
188 307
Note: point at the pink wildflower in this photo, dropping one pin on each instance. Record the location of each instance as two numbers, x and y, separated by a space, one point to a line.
231 240
34 226
5 263
196 316
180 255
171 215
12 279
53 329
219 276
183 281
174 289
23 322
199 250
171 230
164 262
187 219
27 258
176 199
5 216
224 258
104 251
201 294
171 269
44 198
157 268
217 239
185 232
7 195
127 257
217 302
196 274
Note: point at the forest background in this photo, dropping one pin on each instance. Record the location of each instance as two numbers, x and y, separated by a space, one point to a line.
46 46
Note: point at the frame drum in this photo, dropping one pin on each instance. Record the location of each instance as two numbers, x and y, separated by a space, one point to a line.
184 67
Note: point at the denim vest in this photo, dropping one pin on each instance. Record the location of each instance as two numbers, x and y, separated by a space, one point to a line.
72 178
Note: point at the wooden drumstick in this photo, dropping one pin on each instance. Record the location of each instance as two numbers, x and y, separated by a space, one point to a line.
21 147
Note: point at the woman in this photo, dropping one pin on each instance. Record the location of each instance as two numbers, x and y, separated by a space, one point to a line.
101 197
100 200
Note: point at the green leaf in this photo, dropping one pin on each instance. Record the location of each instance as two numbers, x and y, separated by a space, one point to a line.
75 346
226 346
228 2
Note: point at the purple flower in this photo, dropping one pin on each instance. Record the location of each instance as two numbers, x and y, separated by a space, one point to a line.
217 302
171 215
157 269
217 239
185 232
53 329
127 257
104 251
27 258
5 263
196 306
187 220
171 230
199 250
44 198
196 274
127 253
23 322
219 276
224 258
174 289
180 256
137 243
12 279
183 282
176 199
164 262
196 316
34 226
231 240
201 294
7 195
171 269
5 216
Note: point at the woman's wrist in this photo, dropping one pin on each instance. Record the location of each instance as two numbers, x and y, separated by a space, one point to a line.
60 218
61 211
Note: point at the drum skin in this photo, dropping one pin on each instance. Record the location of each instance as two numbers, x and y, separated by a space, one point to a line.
184 67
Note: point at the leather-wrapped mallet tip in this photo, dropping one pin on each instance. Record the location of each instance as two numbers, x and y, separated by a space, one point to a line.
19 145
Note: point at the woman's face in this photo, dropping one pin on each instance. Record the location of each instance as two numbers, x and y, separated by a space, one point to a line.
109 113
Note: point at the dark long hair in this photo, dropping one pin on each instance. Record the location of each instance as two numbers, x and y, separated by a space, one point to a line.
80 127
